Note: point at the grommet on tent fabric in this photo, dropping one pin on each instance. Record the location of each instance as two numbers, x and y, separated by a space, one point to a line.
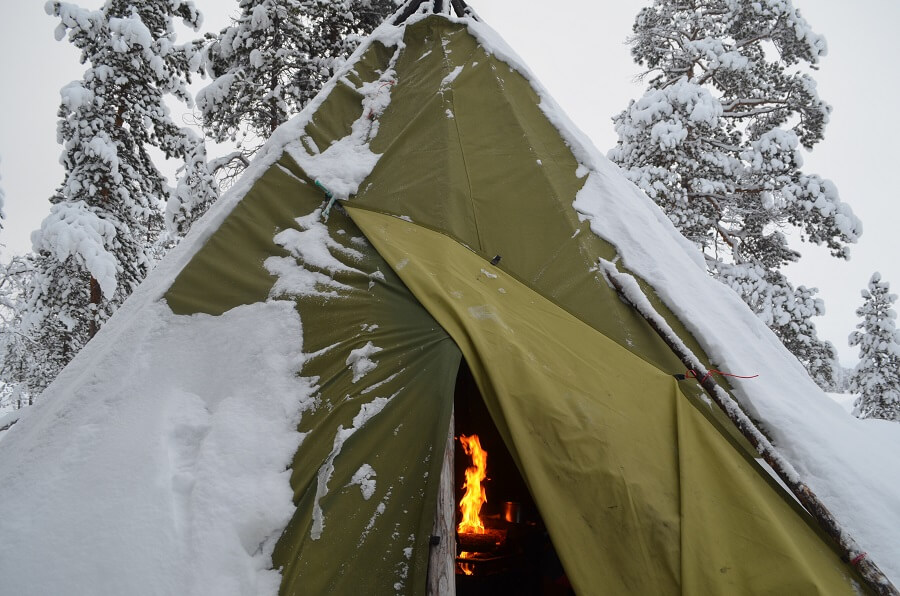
496 260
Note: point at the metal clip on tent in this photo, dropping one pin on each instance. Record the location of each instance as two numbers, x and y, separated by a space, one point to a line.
328 195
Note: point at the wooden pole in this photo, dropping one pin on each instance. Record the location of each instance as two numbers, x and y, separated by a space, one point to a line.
629 290
442 557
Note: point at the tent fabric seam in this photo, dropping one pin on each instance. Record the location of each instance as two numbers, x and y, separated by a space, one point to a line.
462 152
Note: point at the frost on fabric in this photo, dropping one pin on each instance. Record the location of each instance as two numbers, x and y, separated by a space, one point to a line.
343 166
379 510
313 244
359 360
310 269
364 478
486 312
448 80
161 468
386 380
366 412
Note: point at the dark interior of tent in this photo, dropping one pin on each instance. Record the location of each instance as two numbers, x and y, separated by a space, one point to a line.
516 554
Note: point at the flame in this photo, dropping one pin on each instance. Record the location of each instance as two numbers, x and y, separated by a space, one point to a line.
470 505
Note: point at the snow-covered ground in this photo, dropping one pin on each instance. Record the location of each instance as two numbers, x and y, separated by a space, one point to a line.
173 477
845 400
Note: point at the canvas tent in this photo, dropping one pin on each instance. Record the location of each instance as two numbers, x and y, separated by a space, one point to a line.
295 331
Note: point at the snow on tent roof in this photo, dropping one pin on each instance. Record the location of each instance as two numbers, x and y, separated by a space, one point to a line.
267 412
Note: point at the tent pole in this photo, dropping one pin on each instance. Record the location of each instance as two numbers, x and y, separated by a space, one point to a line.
458 6
629 290
442 556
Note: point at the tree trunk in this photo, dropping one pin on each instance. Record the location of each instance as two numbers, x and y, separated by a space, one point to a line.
274 120
442 557
96 295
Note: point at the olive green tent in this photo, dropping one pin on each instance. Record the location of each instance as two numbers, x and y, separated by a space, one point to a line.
418 214
423 214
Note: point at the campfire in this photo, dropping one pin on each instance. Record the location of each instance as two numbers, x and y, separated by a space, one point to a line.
474 538
499 544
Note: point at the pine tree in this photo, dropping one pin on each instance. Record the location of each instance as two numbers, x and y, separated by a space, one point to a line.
196 191
14 277
98 242
715 142
274 58
18 352
877 376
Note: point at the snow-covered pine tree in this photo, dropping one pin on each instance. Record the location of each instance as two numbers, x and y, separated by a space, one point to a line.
18 353
274 58
14 277
877 376
196 190
97 243
715 142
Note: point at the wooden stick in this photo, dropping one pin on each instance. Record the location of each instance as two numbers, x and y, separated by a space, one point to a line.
629 290
442 556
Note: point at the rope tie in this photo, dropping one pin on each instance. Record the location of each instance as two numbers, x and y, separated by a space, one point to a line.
692 374
858 558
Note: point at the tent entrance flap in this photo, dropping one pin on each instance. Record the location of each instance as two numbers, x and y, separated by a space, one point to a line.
616 458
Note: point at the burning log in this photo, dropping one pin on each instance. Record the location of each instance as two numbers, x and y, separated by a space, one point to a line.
490 539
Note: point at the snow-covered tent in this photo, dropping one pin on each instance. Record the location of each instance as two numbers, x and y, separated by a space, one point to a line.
269 411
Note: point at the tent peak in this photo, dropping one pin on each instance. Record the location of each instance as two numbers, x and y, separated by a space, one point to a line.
433 7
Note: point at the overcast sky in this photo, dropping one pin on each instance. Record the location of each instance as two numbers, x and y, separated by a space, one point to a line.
577 50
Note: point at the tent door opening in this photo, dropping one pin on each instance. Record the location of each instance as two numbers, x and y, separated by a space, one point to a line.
515 554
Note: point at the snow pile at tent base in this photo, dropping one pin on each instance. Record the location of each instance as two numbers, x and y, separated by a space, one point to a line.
175 442
158 462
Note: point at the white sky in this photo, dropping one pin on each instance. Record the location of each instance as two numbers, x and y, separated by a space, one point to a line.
576 48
